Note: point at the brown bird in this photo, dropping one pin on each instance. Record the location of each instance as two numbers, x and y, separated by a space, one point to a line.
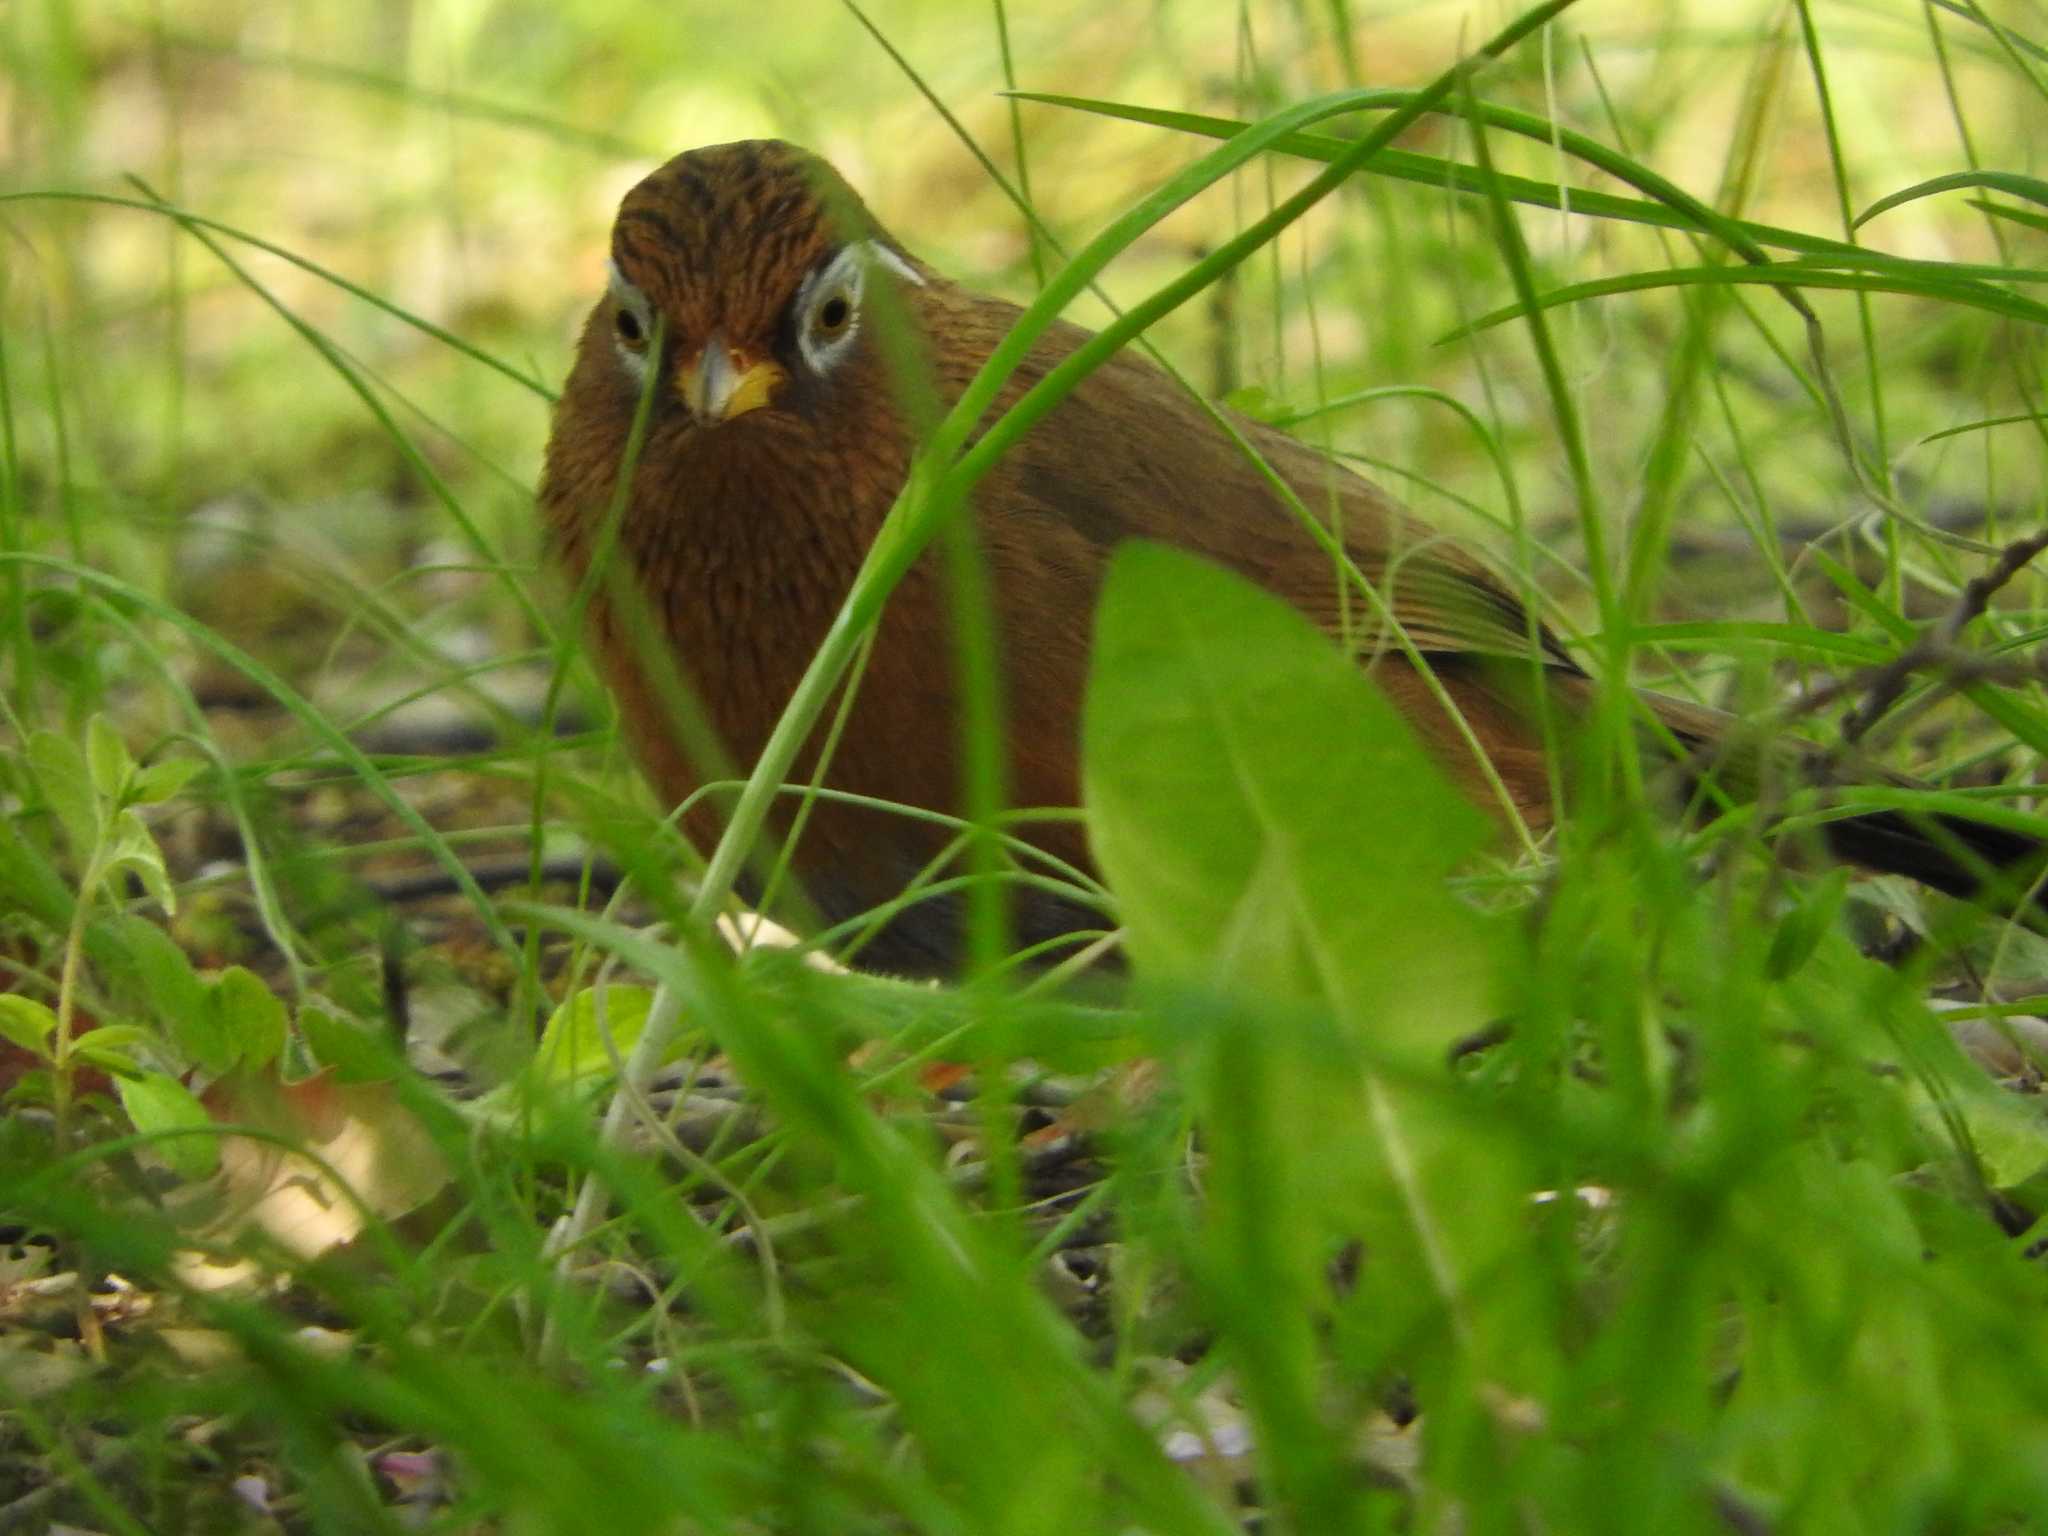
749 278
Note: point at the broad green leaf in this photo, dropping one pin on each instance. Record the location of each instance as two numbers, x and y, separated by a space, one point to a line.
2007 1130
117 1048
573 1043
1223 733
353 1053
107 754
1279 843
66 783
29 883
250 1018
163 779
145 968
157 1102
27 1023
203 1038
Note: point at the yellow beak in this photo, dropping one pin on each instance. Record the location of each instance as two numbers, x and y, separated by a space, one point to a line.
720 383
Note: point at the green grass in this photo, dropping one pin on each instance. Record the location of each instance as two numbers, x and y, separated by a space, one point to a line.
1714 1228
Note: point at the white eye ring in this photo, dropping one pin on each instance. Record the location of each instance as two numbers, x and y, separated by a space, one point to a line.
634 308
828 303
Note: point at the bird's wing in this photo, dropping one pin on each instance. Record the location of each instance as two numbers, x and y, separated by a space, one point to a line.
1129 454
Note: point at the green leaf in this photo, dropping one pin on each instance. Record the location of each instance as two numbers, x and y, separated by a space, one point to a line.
162 780
1918 280
250 1019
2008 1131
1669 206
1255 401
146 970
355 1054
27 1023
114 1047
1223 733
572 1045
30 883
1801 930
203 1038
2027 188
34 1087
1279 843
158 1102
2013 215
66 783
132 848
107 755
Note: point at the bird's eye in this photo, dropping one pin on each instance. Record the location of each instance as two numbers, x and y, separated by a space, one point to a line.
834 315
828 307
628 325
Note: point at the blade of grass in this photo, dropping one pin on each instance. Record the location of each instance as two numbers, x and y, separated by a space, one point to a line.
2027 188
1668 206
1783 274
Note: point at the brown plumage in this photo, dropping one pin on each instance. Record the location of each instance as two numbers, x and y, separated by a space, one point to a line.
775 446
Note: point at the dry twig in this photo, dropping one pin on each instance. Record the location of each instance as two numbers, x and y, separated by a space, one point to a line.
1937 647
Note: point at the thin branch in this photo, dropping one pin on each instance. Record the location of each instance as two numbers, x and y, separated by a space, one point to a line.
1937 647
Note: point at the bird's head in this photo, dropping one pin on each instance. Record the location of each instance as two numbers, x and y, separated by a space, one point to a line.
743 274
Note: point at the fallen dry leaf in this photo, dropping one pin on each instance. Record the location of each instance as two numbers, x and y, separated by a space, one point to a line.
370 1157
